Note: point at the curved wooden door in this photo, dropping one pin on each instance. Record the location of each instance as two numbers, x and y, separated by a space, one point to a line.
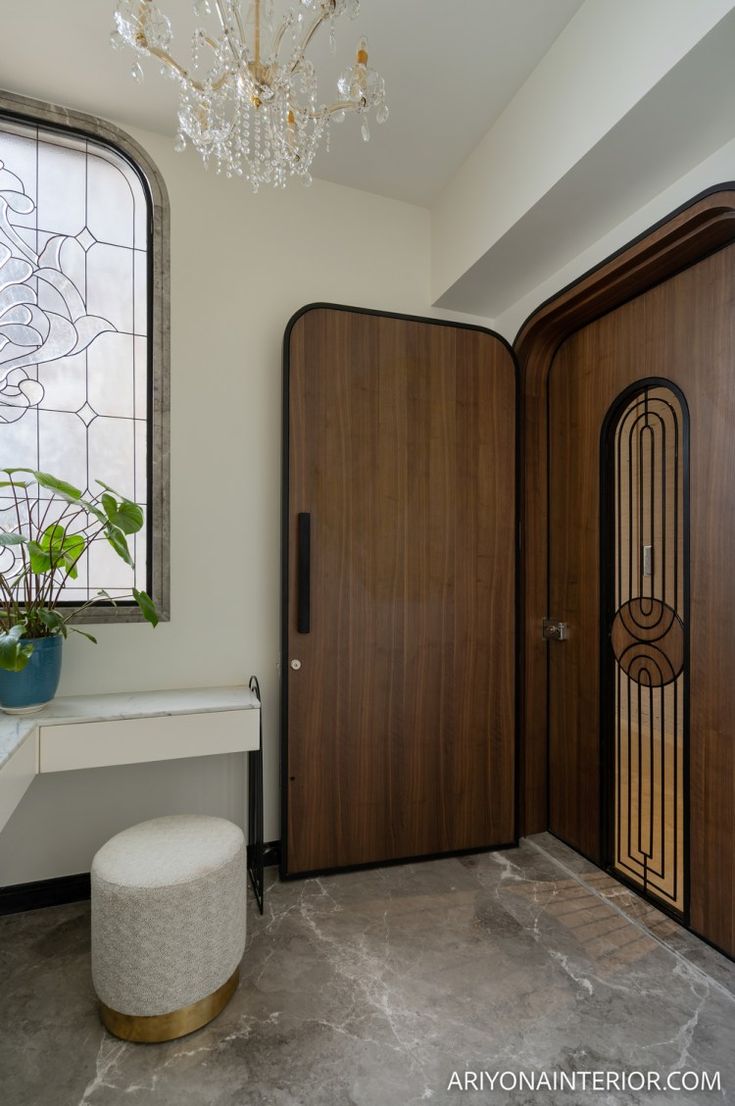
399 716
680 331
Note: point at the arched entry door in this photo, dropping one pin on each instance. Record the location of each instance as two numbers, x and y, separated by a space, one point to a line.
659 312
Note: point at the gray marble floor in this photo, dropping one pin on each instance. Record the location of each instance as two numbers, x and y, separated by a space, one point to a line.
373 988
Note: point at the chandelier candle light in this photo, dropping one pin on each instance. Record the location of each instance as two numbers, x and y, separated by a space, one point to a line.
248 102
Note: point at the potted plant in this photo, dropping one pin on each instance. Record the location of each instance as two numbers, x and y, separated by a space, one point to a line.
43 545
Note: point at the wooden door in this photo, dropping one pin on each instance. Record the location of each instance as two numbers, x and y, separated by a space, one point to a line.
682 332
399 590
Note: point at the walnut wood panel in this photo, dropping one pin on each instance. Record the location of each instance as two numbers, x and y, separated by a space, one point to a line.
695 231
400 730
681 330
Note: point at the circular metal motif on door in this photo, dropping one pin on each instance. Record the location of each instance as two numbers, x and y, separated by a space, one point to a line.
648 641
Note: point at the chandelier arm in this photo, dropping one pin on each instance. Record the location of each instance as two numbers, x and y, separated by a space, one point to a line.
257 32
166 59
332 109
210 42
343 105
304 44
239 22
278 39
226 30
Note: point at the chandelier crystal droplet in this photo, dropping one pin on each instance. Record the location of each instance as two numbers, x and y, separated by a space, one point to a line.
248 99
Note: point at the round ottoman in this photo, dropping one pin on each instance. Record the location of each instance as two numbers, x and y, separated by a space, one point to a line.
168 925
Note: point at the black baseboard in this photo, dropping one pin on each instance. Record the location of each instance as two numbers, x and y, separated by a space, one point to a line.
55 892
422 858
44 892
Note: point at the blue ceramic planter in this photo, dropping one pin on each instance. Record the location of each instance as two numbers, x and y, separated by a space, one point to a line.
30 690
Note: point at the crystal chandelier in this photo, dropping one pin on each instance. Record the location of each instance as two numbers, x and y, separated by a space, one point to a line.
248 100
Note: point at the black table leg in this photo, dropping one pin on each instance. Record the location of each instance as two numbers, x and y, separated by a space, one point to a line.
255 809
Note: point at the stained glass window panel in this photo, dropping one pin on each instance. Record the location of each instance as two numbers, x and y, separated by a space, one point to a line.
74 308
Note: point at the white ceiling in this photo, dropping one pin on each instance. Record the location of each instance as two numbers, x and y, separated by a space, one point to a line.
681 121
450 66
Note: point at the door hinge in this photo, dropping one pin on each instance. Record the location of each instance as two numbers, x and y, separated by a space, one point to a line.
554 631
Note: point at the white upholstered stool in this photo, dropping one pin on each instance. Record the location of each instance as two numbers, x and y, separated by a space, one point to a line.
168 925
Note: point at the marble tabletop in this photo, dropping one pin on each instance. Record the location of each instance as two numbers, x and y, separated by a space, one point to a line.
15 729
13 732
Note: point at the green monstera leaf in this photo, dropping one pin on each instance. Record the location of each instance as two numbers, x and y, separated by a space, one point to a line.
117 540
60 488
14 653
126 516
50 483
146 605
121 511
52 620
57 549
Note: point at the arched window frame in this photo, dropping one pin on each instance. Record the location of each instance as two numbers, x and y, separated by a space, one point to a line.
38 113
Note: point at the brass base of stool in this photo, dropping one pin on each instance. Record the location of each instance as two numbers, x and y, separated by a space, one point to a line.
154 1028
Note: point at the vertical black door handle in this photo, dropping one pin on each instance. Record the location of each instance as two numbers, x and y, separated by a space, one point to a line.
303 572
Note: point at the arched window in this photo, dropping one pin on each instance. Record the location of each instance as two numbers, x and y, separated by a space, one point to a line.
83 328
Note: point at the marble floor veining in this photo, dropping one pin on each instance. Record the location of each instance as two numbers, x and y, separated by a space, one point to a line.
373 988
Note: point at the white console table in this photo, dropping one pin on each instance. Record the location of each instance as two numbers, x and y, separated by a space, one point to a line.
100 731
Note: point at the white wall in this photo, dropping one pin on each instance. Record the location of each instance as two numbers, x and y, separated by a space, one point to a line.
241 265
